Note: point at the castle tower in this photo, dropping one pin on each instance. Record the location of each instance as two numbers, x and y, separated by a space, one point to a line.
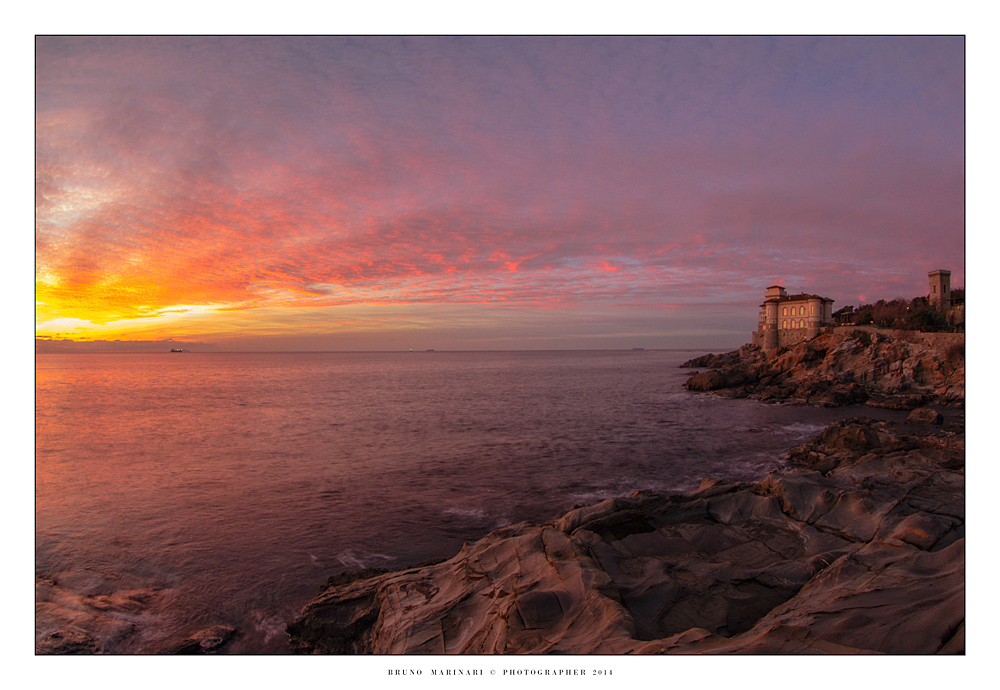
940 294
814 323
769 340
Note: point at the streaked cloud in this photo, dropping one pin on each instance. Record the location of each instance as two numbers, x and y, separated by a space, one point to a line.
181 180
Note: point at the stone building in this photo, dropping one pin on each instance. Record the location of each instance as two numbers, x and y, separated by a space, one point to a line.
788 319
940 294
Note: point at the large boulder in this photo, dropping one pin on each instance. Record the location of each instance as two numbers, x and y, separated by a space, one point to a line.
925 415
706 381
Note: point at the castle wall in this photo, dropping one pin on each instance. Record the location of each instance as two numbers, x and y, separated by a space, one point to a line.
794 336
934 339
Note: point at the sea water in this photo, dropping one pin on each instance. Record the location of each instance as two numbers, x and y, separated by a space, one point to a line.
223 489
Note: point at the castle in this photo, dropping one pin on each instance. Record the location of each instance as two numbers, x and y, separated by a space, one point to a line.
788 319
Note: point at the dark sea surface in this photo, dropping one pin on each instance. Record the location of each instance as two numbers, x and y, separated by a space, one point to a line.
226 488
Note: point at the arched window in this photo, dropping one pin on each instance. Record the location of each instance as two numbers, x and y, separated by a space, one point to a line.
784 323
784 311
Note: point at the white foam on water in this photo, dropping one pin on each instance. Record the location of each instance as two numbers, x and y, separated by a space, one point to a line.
802 429
364 559
477 514
269 627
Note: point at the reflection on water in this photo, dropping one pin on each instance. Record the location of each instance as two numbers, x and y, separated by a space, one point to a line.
177 492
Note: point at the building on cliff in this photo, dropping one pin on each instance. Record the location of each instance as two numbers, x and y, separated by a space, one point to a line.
788 319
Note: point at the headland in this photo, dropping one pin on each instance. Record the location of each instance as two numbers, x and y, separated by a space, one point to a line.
850 365
856 546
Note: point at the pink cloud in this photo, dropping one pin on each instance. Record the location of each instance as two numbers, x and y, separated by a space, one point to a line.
318 172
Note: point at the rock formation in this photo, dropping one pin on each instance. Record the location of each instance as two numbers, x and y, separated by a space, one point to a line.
99 620
896 371
857 547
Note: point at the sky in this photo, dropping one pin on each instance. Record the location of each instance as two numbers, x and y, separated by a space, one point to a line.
480 193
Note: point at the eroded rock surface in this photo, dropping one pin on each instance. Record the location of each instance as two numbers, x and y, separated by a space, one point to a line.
836 369
79 612
857 548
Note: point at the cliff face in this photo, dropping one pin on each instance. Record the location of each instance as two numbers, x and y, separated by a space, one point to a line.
834 369
858 548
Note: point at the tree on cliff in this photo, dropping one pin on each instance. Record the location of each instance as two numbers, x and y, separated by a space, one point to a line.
913 315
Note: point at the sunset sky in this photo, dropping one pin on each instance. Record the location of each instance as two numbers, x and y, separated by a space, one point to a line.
364 193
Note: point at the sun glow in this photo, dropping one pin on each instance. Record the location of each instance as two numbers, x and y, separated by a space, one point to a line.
174 197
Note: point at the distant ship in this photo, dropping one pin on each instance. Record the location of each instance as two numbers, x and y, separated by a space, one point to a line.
638 349
177 349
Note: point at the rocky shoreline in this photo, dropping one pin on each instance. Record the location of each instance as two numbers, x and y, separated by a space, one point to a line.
858 546
893 369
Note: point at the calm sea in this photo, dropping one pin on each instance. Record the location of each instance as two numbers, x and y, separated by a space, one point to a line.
226 488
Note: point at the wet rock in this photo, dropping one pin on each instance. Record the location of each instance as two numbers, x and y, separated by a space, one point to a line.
69 641
204 641
77 613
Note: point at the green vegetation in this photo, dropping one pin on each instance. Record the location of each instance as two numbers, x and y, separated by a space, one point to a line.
913 315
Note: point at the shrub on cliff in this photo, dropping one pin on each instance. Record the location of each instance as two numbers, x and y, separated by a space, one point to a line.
912 315
927 319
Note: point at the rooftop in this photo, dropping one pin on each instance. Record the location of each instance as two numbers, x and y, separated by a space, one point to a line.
800 296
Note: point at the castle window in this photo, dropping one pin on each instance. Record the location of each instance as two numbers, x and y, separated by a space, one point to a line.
784 323
784 311
802 323
812 309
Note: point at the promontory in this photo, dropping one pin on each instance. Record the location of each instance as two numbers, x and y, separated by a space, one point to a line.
856 545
